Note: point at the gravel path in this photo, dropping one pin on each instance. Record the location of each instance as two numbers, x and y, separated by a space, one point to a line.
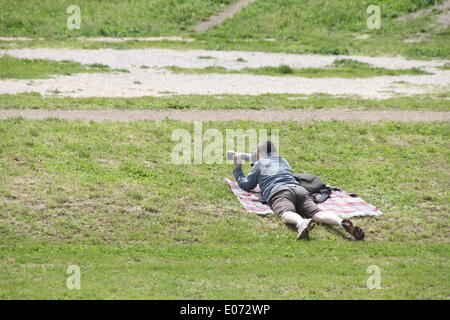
106 39
156 82
224 115
158 58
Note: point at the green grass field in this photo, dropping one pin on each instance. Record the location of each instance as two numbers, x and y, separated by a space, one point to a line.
298 26
106 197
105 18
332 27
15 68
434 102
341 68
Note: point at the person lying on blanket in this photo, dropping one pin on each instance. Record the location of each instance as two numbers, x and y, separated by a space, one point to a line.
285 196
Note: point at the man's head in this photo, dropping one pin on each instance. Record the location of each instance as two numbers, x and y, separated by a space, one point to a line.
264 148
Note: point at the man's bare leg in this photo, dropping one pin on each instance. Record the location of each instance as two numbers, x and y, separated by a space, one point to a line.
303 225
327 217
290 217
334 219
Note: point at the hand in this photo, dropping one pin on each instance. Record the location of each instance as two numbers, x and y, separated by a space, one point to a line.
237 161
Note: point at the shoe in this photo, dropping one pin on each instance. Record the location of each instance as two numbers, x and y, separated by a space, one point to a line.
304 228
356 232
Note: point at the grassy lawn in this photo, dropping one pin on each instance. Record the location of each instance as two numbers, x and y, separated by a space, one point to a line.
15 68
321 27
340 68
333 27
435 102
114 18
105 196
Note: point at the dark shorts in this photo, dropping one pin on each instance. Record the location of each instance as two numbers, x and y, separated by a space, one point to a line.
293 198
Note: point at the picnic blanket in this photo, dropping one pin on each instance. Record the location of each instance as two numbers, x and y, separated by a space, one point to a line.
340 202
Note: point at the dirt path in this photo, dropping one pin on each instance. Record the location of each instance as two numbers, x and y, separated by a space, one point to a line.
228 13
147 76
225 115
442 19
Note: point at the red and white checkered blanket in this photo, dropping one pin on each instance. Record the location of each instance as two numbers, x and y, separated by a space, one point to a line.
340 202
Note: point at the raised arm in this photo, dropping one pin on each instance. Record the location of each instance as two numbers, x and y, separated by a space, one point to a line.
249 182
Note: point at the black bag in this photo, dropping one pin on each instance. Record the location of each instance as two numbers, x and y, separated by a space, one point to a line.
314 186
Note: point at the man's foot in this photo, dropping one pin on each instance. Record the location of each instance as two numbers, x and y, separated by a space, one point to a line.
355 231
304 228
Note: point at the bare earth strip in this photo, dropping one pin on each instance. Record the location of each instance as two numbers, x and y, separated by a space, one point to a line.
226 115
228 13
